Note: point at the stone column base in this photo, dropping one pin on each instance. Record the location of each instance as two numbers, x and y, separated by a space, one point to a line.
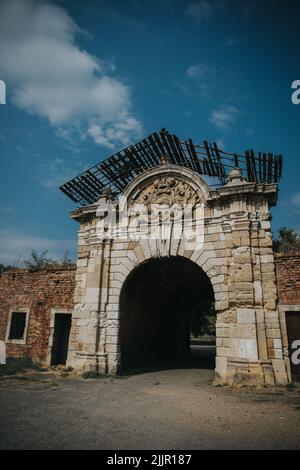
82 361
242 371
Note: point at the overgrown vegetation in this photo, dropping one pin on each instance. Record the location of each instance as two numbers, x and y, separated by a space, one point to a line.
38 261
92 374
203 320
18 364
4 267
41 261
288 241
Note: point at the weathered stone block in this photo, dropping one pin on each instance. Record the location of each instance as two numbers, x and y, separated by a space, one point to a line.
246 315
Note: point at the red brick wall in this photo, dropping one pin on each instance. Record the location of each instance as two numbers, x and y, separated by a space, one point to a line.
40 291
288 277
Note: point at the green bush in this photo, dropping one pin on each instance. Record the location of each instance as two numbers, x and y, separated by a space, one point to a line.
288 241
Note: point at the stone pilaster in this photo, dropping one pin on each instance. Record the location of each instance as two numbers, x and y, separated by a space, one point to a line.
250 329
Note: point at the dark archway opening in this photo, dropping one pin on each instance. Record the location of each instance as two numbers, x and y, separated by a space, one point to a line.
167 308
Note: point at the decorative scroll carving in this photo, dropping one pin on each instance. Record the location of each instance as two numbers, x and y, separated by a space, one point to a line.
168 191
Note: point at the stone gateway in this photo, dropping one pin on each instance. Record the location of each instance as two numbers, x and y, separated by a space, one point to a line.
127 290
158 240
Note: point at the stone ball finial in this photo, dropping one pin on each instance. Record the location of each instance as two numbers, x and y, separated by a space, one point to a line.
235 173
106 191
236 177
105 195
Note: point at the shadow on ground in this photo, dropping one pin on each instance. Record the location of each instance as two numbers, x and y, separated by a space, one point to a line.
201 357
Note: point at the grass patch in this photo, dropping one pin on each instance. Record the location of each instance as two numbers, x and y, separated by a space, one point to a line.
92 374
18 364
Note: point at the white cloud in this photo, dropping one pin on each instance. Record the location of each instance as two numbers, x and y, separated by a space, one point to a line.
221 143
197 71
187 113
49 75
200 11
57 171
224 117
203 10
296 200
5 209
231 41
203 77
247 8
15 246
121 131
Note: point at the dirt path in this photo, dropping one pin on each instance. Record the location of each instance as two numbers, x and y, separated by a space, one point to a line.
171 409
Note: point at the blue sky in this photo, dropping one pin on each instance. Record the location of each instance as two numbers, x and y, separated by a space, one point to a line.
85 79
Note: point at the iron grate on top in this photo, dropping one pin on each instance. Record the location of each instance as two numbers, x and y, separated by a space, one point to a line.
119 169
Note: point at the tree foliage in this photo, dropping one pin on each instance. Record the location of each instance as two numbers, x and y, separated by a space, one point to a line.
288 240
41 261
203 319
4 267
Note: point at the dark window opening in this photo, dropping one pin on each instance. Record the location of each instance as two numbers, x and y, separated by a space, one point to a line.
17 325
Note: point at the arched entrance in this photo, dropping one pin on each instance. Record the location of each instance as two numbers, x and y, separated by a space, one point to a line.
163 302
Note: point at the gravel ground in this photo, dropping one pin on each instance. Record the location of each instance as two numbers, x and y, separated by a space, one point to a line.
162 409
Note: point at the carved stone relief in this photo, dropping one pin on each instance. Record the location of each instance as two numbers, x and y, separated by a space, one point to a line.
168 191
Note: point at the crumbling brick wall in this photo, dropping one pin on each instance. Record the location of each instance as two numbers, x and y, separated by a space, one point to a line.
288 277
39 291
